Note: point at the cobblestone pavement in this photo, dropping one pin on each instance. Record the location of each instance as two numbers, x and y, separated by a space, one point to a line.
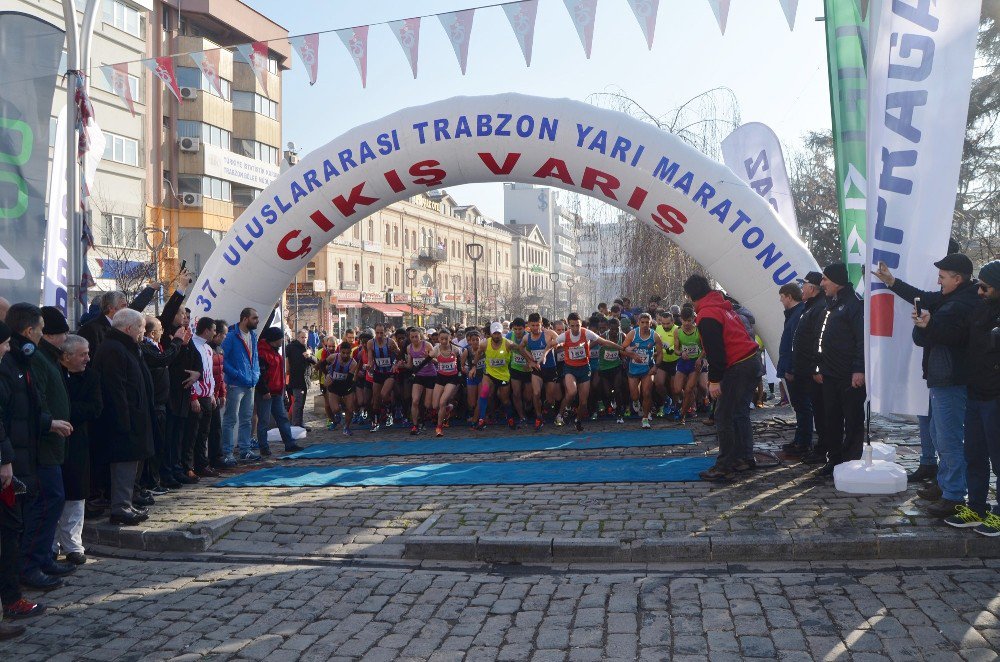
158 610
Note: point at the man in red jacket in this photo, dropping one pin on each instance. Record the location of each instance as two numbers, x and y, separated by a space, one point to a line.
733 369
269 397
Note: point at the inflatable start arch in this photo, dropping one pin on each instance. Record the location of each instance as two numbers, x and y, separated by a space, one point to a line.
698 203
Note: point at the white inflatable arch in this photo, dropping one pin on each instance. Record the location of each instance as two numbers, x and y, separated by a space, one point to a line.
698 203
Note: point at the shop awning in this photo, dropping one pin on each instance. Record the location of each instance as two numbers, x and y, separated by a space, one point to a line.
404 308
348 304
387 309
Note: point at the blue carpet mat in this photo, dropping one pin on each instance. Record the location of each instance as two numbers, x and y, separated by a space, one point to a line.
541 442
639 470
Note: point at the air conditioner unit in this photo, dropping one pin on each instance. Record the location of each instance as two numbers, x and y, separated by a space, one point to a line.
189 93
190 144
191 199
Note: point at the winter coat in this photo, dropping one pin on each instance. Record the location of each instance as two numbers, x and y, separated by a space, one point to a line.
86 403
24 418
983 352
158 361
272 373
724 336
52 391
240 364
124 430
805 358
842 339
945 337
786 350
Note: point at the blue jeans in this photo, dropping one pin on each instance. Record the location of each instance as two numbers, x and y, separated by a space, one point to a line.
948 431
982 448
239 412
927 453
41 513
798 395
273 406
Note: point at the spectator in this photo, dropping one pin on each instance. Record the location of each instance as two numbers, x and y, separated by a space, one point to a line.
313 338
805 361
183 372
733 371
842 368
4 307
125 426
25 419
84 389
241 368
41 517
215 455
195 456
299 361
95 327
158 359
8 534
790 296
269 396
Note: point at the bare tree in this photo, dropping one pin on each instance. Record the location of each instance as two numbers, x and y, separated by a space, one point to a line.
120 241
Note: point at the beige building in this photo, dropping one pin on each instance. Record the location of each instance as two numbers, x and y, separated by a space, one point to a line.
412 254
531 286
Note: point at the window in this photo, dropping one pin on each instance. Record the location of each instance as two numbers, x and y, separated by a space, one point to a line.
256 150
357 273
125 17
311 272
371 274
255 103
122 231
388 279
387 235
210 187
272 61
340 272
395 236
371 231
396 277
244 196
207 133
191 77
121 149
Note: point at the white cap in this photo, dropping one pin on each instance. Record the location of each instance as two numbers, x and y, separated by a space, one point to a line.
496 327
431 332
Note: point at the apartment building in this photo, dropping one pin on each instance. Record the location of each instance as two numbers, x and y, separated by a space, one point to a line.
531 284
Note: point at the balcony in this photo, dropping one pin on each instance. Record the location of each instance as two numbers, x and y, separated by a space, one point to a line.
431 255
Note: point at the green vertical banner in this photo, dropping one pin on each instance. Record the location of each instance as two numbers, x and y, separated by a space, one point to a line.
846 43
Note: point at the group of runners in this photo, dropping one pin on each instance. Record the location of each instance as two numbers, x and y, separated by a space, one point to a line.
560 371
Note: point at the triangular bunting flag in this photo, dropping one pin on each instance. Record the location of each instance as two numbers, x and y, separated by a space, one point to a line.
864 9
307 46
163 68
407 34
256 54
208 62
356 42
721 9
117 75
645 13
522 20
789 7
583 13
458 26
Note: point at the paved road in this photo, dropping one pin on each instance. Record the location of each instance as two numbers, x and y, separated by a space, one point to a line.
132 610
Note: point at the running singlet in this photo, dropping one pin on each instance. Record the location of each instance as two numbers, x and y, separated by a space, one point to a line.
537 348
578 350
340 373
480 365
690 343
667 337
644 349
418 357
517 362
383 359
447 366
498 360
610 358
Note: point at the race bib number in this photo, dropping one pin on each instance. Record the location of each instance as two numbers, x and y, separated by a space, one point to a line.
498 363
640 357
447 366
611 355
560 356
537 354
338 376
383 362
687 351
577 352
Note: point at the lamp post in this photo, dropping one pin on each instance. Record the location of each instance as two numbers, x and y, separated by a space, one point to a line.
495 288
154 238
454 297
411 275
570 282
554 277
426 280
475 253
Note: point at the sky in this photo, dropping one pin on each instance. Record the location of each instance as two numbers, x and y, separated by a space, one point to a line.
778 76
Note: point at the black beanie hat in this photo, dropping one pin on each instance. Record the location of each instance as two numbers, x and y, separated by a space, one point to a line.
271 333
4 332
54 321
837 272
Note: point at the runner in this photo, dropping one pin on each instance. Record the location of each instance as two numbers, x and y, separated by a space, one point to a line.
498 352
610 365
520 375
545 378
663 380
474 370
382 356
449 379
576 380
420 365
687 345
648 350
341 375
598 325
327 350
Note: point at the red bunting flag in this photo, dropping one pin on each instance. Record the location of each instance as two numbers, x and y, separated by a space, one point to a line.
163 68
356 42
407 34
458 26
256 55
208 62
307 46
117 75
522 21
583 13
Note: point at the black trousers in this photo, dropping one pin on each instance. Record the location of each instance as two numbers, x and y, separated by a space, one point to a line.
195 455
10 552
845 419
215 438
819 414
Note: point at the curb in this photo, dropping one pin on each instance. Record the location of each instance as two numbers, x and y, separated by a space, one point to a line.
198 538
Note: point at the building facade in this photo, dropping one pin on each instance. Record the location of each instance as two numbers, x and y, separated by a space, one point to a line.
531 285
600 257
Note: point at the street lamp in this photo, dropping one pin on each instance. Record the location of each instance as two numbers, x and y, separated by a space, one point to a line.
554 277
495 288
454 297
475 253
411 275
570 282
154 238
426 280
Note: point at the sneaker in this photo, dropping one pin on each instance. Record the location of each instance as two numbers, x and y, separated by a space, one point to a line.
944 508
330 425
249 456
158 490
646 423
965 518
439 431
347 431
923 472
479 425
228 462
414 430
636 408
559 420
23 609
620 421
374 427
990 526
511 423
538 424
579 425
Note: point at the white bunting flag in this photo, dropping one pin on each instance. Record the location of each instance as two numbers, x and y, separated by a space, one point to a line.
307 46
356 42
458 26
117 75
208 62
790 7
721 9
583 13
522 21
407 33
163 68
645 13
256 54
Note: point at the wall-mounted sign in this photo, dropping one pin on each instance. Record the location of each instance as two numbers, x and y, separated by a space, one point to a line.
232 167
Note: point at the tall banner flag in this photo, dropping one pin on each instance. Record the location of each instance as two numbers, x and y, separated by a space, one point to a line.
30 50
522 21
407 33
753 152
721 10
163 68
846 32
255 54
117 75
920 77
458 26
208 62
790 7
307 46
645 13
583 13
356 42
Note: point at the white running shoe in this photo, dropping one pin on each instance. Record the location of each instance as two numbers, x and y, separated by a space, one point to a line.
646 423
559 420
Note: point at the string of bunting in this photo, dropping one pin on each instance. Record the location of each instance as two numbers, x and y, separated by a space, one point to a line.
457 26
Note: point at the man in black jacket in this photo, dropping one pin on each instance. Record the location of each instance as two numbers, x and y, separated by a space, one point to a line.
805 361
298 362
842 368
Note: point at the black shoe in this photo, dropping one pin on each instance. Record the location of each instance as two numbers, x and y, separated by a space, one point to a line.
796 450
10 631
127 518
294 448
930 493
158 490
143 499
923 472
76 558
55 569
94 507
827 469
39 580
169 482
814 457
943 507
185 479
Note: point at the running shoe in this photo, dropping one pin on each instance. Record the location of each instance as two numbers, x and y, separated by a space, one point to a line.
593 416
330 425
620 420
579 425
965 518
389 420
347 431
414 430
560 421
635 407
538 424
990 526
480 425
610 410
646 423
439 431
375 427
511 423
249 456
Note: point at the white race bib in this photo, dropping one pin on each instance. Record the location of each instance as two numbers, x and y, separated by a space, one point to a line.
577 352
